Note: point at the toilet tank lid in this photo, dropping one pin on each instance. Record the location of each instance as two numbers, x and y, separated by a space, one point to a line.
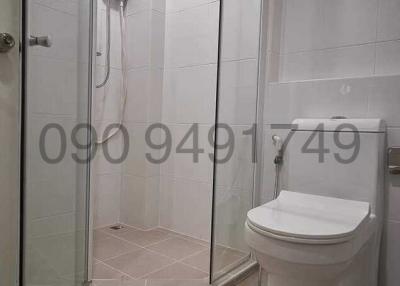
368 125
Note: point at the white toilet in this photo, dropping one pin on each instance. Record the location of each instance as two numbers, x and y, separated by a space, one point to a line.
325 230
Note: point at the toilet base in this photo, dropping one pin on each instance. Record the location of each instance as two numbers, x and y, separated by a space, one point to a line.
360 271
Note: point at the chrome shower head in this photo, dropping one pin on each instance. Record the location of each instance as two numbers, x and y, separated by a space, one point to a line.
122 3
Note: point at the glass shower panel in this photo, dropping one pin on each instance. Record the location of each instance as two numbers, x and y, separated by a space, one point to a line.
10 81
57 114
237 113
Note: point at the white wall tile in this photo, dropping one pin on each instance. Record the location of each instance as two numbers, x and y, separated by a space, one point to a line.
157 39
241 21
238 172
53 225
182 207
333 63
107 100
388 58
179 5
135 6
181 165
389 20
59 198
140 201
138 39
238 92
100 164
39 170
384 100
136 163
115 36
63 32
232 206
320 24
325 98
138 95
53 86
182 103
107 200
159 5
144 101
67 6
192 36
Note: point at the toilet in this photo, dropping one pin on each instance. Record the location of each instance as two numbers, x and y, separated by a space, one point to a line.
325 229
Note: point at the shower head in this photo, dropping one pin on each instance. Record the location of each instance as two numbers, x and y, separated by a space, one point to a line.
122 3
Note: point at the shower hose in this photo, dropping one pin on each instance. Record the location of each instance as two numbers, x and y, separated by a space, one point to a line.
123 65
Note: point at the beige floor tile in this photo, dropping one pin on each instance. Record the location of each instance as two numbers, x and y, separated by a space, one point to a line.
144 238
99 235
171 282
223 258
177 271
139 263
200 261
195 240
119 282
102 271
177 248
111 247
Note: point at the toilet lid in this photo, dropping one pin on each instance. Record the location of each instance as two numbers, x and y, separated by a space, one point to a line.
309 216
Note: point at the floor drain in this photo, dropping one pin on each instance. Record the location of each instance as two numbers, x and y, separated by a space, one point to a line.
117 227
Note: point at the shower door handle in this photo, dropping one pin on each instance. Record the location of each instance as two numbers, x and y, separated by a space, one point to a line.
43 41
7 42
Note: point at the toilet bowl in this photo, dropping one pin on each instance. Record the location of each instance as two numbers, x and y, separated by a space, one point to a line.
301 239
326 230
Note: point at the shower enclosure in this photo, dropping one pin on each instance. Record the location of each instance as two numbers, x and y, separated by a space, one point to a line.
47 92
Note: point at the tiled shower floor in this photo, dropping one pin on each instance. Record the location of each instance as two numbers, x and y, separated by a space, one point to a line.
133 257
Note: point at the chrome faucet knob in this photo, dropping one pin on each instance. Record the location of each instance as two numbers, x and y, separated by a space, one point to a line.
7 42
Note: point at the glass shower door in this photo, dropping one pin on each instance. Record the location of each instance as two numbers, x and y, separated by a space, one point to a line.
9 140
234 174
56 116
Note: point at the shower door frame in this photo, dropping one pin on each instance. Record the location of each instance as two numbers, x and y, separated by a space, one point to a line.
262 63
24 60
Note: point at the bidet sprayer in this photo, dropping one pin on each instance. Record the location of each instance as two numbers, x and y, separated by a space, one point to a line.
278 143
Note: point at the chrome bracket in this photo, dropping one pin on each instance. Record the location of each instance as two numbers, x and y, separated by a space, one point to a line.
394 160
43 41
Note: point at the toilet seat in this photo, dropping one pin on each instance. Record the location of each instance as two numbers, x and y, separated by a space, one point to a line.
309 219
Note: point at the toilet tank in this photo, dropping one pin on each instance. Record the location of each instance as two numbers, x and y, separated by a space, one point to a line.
341 158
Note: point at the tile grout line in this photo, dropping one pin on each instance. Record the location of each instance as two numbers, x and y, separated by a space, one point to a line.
117 270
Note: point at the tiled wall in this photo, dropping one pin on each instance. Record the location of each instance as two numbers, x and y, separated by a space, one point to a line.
140 182
191 40
330 58
128 192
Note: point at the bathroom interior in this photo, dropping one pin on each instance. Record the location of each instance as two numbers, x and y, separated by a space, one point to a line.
273 74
